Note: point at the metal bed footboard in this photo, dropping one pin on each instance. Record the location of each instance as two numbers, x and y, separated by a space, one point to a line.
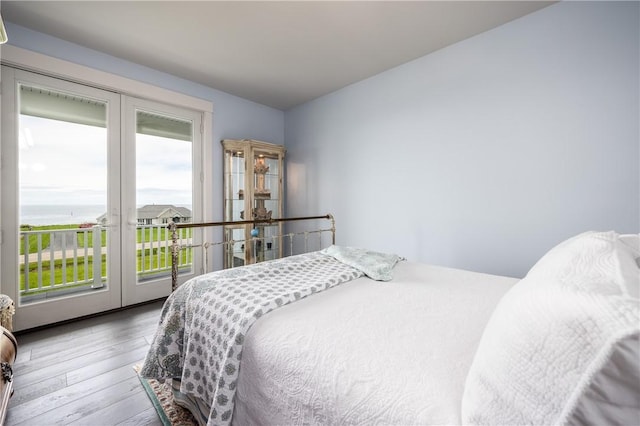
176 246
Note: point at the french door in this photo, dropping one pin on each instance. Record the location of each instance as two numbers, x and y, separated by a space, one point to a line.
160 181
89 180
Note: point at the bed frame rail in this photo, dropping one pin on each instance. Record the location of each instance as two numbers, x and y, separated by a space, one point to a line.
176 246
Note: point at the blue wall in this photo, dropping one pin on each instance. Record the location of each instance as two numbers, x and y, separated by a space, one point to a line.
233 117
485 154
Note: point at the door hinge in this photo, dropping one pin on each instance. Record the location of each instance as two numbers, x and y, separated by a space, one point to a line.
1 239
201 177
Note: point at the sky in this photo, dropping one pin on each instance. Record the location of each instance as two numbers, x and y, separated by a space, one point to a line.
65 163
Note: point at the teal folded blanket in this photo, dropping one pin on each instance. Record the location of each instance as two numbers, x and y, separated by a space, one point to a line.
375 265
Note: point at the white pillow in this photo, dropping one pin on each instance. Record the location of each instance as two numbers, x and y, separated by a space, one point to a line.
633 242
555 339
630 255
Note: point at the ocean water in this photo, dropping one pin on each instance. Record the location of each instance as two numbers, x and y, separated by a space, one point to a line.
60 215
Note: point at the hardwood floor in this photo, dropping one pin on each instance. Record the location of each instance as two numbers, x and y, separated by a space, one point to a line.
82 373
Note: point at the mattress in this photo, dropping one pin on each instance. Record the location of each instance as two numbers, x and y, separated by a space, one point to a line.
369 352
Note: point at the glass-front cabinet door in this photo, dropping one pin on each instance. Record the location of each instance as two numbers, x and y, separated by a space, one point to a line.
253 176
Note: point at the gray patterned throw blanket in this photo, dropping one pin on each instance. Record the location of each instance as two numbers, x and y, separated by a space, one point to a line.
203 323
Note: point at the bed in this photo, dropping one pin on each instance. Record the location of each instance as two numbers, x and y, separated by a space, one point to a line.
387 341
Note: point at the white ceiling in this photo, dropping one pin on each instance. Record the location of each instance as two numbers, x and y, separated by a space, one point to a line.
279 54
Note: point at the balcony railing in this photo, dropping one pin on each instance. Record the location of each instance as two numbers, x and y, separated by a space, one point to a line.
154 251
56 262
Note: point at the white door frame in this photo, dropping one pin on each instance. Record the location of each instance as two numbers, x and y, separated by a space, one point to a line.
133 291
59 309
54 67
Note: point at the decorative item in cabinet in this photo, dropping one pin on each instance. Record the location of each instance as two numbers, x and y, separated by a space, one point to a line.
253 179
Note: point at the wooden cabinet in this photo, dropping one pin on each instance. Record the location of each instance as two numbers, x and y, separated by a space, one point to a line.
253 179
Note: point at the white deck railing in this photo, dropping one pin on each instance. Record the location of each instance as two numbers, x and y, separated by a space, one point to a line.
154 250
59 261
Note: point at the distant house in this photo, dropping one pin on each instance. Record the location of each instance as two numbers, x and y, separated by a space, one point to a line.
157 214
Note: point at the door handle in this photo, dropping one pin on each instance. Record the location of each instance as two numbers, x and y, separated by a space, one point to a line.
131 219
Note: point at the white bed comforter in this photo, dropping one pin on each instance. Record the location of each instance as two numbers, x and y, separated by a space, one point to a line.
368 352
203 324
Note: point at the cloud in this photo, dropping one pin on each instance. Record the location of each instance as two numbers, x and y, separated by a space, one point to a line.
66 163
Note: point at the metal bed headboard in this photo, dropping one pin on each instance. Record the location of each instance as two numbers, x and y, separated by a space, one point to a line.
176 246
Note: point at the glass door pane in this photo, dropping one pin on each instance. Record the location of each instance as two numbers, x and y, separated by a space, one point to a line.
266 202
63 193
234 205
164 193
234 185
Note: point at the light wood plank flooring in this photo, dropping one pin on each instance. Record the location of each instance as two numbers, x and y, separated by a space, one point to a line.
81 373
